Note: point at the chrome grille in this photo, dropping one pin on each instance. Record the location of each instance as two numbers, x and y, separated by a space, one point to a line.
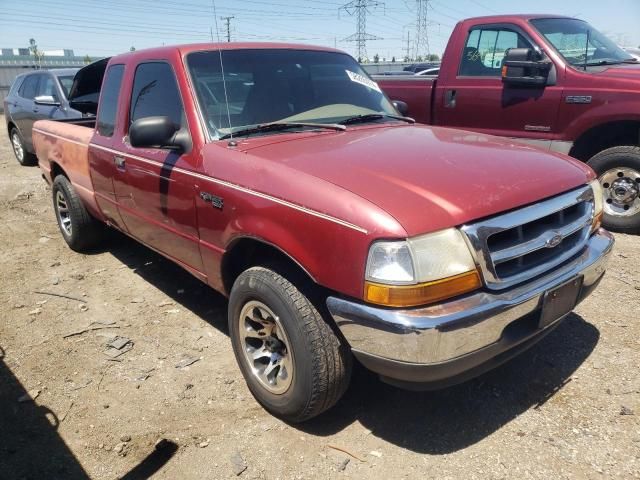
522 244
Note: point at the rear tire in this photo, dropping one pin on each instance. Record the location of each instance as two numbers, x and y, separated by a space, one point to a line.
79 229
24 157
618 170
272 323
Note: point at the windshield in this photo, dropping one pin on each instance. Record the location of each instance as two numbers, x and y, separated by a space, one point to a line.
278 85
65 83
569 37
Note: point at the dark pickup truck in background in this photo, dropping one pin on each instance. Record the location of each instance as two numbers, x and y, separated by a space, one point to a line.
553 82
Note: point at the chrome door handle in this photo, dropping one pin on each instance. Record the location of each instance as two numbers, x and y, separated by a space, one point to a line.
119 161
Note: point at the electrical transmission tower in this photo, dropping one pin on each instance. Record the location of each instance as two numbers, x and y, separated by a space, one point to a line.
228 22
360 8
421 41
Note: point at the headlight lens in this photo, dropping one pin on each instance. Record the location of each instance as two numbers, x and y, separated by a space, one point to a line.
420 270
598 204
390 262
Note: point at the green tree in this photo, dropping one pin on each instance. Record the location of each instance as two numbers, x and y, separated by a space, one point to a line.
432 57
393 59
376 58
132 49
87 59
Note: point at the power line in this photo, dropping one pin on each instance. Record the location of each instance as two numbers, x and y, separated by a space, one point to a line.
421 41
228 22
360 9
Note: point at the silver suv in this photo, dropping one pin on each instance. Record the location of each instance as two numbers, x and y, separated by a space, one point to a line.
35 96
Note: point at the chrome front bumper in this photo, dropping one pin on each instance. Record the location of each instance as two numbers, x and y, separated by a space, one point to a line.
419 345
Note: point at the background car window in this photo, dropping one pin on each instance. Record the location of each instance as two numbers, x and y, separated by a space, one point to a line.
109 101
65 83
29 87
47 87
485 49
155 93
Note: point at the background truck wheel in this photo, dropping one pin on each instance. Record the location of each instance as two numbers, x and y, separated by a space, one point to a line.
79 229
24 158
618 170
293 362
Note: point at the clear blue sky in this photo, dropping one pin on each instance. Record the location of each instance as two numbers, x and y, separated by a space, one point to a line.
105 27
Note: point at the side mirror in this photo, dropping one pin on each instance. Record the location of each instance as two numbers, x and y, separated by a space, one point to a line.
155 132
46 100
401 106
525 67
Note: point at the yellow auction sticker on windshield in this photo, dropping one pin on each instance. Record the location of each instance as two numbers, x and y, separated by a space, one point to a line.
362 80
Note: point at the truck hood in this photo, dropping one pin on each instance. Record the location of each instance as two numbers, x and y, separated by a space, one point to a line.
427 178
624 71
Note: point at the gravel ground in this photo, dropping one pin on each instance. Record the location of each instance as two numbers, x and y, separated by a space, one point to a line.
567 408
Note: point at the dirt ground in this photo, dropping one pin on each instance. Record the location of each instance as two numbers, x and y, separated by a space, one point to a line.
568 408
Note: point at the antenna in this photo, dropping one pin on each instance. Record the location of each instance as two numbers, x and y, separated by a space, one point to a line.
224 82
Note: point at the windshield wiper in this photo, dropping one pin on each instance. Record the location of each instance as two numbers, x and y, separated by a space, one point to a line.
374 116
280 126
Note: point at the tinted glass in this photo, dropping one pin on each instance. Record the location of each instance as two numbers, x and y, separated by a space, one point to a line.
65 83
485 50
47 87
109 100
268 85
29 87
155 93
17 84
569 37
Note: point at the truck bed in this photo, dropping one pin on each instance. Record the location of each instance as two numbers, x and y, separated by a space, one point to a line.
64 145
413 90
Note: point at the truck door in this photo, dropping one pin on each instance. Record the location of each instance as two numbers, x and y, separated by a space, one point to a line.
474 97
101 151
153 186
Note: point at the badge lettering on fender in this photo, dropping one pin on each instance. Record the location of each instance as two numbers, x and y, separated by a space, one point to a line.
578 99
216 202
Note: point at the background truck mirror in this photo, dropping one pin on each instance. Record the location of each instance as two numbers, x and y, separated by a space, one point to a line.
525 66
401 106
46 100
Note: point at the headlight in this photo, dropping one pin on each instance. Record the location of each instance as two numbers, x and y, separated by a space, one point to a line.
598 204
420 270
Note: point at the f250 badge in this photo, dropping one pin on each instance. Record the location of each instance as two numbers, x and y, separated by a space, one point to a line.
578 99
217 202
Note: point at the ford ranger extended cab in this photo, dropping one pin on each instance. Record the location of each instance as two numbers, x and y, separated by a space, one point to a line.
553 82
284 178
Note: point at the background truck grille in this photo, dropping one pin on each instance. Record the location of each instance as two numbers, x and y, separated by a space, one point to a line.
522 244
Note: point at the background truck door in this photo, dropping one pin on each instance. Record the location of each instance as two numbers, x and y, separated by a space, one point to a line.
155 200
474 97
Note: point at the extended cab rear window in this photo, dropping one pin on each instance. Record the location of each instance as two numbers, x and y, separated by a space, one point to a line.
109 100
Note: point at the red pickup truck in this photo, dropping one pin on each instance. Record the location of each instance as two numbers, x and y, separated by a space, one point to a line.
553 82
284 178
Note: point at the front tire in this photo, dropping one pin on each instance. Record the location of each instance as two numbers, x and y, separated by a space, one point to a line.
24 157
78 228
293 362
618 170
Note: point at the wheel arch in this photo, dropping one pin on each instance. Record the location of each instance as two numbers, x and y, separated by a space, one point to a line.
247 251
606 135
56 170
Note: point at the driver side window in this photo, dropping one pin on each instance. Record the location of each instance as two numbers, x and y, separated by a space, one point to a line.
485 49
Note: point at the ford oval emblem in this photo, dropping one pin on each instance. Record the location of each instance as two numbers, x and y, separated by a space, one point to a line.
554 240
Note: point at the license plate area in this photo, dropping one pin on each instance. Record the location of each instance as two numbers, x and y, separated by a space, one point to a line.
559 301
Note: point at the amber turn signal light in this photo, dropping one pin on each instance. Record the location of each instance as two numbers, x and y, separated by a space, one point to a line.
423 293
